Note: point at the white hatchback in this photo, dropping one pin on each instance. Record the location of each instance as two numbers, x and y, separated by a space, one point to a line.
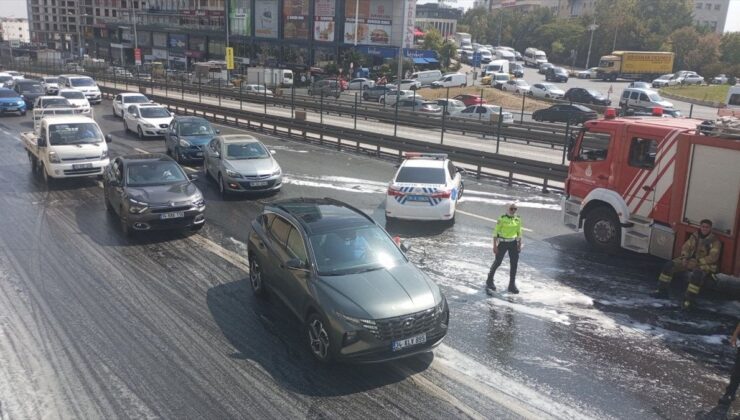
147 120
427 186
77 99
124 100
546 90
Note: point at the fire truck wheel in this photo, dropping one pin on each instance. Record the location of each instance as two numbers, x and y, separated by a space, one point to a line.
602 229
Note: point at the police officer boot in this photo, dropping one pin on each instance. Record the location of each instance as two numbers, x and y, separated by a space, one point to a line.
512 288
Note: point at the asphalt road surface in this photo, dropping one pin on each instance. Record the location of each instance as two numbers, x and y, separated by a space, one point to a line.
95 325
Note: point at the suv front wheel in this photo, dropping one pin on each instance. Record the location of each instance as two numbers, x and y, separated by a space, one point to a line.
319 340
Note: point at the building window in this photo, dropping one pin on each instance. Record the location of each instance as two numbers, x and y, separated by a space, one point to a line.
717 6
114 12
708 6
699 6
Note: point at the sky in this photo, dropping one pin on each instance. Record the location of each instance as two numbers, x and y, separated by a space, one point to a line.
13 8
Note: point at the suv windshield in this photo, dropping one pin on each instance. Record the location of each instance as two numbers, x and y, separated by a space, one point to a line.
82 82
31 88
354 250
8 94
154 173
195 128
413 175
5 78
72 95
51 80
251 150
154 112
654 97
139 99
74 133
55 101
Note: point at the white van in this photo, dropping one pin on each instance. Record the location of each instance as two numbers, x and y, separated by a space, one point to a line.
642 98
426 77
534 57
496 66
502 54
451 80
733 103
84 84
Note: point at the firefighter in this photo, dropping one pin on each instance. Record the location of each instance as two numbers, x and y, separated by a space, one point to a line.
699 255
731 389
507 237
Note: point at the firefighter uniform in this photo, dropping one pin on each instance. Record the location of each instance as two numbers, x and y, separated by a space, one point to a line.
703 254
508 239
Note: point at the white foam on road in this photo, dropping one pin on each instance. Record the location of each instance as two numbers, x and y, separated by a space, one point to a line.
503 202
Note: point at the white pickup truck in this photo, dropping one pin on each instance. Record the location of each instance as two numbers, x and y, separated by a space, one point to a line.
67 146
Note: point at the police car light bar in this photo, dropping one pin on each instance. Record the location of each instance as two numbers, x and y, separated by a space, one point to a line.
421 155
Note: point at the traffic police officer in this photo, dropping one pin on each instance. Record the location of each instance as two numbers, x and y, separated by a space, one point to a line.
699 255
507 237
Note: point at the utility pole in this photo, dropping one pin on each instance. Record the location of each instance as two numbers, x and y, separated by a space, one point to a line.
592 27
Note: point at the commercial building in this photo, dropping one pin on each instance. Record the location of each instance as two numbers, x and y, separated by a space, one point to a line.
718 15
14 29
443 19
521 5
285 33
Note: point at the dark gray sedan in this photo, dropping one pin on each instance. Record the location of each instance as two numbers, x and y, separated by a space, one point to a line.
357 295
152 192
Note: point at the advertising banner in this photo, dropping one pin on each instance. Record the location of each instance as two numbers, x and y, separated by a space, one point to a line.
323 25
266 18
373 22
178 41
295 19
239 17
409 23
229 58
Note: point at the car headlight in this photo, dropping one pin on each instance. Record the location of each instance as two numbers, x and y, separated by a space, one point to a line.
104 154
54 158
199 201
368 324
233 174
148 125
184 143
440 308
20 103
277 171
137 207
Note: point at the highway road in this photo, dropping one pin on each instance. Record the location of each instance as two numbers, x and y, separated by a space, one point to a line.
95 325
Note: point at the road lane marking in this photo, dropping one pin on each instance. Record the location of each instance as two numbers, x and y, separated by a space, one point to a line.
142 151
230 256
488 219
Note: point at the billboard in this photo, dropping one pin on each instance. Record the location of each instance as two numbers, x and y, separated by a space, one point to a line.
178 41
323 25
266 18
295 19
373 23
239 17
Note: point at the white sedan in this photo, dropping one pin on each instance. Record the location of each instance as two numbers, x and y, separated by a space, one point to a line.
124 100
256 90
77 99
361 83
516 86
485 113
546 90
147 120
588 74
427 186
692 79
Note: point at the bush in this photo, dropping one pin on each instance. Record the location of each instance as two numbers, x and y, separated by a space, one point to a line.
732 80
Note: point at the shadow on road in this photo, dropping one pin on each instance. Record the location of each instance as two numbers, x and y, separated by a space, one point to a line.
264 331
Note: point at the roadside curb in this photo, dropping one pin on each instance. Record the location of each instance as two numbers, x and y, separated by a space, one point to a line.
691 100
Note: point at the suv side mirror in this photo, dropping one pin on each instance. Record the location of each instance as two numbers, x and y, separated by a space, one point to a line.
108 138
218 131
295 264
462 171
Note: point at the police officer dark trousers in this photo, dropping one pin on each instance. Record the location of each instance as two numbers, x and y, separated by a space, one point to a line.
507 238
735 376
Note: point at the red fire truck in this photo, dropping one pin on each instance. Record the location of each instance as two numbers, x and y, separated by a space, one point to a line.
644 183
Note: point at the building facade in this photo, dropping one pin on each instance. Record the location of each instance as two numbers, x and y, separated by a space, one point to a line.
718 15
286 33
576 8
443 19
15 29
521 5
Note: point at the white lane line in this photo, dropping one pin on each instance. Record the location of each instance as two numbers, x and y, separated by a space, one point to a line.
142 151
230 256
488 219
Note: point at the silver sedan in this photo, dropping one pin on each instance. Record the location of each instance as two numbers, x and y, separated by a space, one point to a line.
240 163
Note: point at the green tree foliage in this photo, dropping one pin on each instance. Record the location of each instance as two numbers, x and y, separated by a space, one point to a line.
433 40
730 48
447 52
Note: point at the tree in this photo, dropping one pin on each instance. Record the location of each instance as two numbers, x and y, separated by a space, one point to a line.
447 52
433 40
730 48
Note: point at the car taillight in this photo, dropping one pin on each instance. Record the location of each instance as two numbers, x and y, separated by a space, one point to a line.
395 193
442 194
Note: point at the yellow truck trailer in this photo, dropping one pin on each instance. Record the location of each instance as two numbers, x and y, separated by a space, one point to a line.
635 65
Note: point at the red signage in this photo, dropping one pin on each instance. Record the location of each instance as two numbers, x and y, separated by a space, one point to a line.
137 56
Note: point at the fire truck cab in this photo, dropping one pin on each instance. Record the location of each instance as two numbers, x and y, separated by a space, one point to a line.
644 183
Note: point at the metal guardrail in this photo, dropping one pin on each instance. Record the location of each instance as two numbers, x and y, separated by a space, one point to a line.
482 163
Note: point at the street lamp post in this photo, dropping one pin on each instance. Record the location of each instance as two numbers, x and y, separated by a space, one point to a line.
592 27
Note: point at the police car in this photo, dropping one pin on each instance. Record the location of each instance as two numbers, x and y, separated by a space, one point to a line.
427 186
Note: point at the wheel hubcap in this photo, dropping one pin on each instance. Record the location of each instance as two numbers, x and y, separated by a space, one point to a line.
319 339
255 275
604 231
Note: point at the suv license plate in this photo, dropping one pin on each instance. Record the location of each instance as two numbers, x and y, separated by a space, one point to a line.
173 215
82 166
417 198
258 184
401 344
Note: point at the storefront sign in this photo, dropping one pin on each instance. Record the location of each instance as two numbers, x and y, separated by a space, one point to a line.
409 23
373 22
295 19
239 17
324 25
266 18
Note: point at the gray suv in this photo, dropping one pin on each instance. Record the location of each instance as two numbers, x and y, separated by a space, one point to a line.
357 295
325 88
